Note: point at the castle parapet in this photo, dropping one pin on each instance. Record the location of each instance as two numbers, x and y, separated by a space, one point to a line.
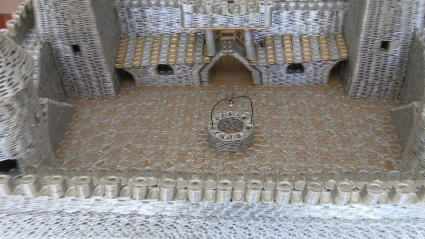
21 23
225 14
312 5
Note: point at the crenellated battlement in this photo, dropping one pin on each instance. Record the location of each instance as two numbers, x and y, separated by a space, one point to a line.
22 21
363 188
241 7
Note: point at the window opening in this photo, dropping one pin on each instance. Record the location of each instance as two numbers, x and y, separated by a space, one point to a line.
385 46
7 165
76 49
295 69
165 70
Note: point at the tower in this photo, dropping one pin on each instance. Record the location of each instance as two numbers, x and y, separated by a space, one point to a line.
84 37
23 130
379 35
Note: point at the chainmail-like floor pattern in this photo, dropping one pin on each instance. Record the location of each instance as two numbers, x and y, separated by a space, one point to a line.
112 224
297 129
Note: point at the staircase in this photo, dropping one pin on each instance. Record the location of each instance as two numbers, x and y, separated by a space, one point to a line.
229 35
228 38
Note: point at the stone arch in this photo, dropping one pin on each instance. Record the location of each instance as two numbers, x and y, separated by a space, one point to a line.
327 73
120 73
205 72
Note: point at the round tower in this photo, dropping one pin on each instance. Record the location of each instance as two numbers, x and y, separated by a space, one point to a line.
379 36
23 130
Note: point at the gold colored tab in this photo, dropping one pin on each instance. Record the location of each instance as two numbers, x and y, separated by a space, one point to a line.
288 48
324 48
306 48
122 51
172 51
342 46
190 48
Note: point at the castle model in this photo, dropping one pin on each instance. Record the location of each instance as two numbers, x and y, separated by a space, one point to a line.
53 51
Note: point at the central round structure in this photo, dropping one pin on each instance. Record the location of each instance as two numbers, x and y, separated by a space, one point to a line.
231 142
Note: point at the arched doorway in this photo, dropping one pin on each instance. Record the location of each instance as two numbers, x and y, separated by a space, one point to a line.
335 74
229 71
125 78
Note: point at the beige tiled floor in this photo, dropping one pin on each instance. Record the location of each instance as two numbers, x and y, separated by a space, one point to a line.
297 128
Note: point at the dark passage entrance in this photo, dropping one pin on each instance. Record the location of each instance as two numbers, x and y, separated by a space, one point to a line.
7 165
125 78
335 74
229 71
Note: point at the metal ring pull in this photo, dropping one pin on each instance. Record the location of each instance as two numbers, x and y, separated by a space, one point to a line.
230 102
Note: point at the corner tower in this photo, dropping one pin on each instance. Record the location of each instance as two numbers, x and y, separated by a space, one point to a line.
84 36
379 35
23 130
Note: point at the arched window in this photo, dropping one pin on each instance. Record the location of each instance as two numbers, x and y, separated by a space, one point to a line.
295 68
164 70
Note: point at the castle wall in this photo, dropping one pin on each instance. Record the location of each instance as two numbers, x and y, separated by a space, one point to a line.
414 85
260 17
315 73
376 70
327 22
142 21
409 119
413 157
108 30
23 130
57 114
84 40
46 74
184 74
403 118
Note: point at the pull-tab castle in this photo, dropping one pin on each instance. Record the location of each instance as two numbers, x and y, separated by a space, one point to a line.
53 51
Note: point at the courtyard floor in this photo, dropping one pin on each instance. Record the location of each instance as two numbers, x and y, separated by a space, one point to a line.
297 129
